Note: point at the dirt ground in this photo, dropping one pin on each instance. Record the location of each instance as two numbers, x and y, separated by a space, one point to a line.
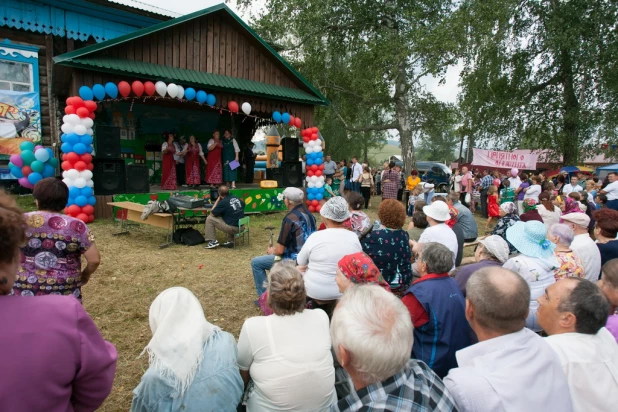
134 271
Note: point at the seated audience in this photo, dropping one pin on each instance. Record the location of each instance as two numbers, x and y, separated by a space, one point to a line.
417 226
225 214
536 263
287 355
452 223
51 259
609 285
573 313
192 362
437 214
508 217
54 359
437 295
569 264
322 250
464 218
570 205
491 251
549 212
501 372
605 233
359 222
530 212
372 337
389 246
296 227
358 269
583 245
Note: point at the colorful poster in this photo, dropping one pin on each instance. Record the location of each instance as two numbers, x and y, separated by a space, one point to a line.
504 160
20 120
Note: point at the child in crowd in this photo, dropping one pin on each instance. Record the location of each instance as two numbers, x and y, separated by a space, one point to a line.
415 195
507 194
600 201
328 190
493 210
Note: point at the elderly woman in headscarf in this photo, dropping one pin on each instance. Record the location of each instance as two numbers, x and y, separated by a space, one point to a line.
530 212
570 206
569 264
508 217
358 269
192 362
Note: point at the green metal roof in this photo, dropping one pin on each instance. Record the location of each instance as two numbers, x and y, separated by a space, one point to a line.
81 58
192 78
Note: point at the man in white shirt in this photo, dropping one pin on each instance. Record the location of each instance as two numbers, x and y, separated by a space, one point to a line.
511 368
357 170
437 213
611 191
583 245
515 182
573 313
573 187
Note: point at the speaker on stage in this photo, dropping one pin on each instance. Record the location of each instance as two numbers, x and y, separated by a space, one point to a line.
292 174
290 149
109 176
107 142
276 174
138 178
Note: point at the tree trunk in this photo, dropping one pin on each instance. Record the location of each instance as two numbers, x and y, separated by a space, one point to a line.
402 114
570 135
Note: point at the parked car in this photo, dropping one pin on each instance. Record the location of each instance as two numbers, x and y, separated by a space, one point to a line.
438 172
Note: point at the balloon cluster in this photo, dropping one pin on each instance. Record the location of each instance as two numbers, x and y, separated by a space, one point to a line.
315 168
32 164
77 158
288 119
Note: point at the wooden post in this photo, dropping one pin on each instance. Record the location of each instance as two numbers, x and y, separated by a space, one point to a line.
101 209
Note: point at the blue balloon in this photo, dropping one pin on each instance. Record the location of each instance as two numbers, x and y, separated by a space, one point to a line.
72 138
111 89
74 192
277 117
71 201
190 93
89 149
318 161
99 91
310 196
50 151
309 161
86 191
81 201
319 196
16 171
49 171
201 96
66 148
285 118
79 148
26 146
53 162
34 178
211 100
11 165
92 201
63 138
85 139
86 93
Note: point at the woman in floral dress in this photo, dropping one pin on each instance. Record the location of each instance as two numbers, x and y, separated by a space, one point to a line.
193 153
214 167
168 172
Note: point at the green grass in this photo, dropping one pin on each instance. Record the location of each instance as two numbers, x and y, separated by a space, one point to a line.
377 156
26 202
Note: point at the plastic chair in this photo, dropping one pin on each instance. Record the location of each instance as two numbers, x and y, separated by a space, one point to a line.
241 231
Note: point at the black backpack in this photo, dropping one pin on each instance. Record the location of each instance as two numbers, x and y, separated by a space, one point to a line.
188 236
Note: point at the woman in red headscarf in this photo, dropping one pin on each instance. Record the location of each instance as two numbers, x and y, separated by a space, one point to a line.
358 269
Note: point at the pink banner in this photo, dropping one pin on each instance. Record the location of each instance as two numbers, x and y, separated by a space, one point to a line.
504 160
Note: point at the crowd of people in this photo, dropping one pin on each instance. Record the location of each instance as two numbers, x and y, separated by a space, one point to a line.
358 315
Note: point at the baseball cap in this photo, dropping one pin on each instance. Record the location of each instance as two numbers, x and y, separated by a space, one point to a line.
293 194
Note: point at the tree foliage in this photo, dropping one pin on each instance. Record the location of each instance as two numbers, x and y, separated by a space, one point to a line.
439 140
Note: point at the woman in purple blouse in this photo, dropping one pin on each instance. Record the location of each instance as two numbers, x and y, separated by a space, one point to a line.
54 358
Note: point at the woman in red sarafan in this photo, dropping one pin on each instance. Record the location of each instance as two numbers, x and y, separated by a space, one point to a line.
193 153
214 169
168 172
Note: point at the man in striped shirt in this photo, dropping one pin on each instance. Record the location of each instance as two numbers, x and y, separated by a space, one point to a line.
486 181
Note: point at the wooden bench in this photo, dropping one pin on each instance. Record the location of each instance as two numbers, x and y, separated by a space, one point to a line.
133 212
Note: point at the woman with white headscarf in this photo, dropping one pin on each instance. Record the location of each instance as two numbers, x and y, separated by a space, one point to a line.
192 362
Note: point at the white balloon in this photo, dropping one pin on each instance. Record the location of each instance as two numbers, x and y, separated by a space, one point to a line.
67 128
86 174
319 184
311 184
172 90
72 174
87 122
311 143
181 92
161 88
65 118
80 129
317 148
308 149
90 131
314 179
74 119
321 178
305 145
68 182
308 179
80 183
317 142
90 183
64 174
246 108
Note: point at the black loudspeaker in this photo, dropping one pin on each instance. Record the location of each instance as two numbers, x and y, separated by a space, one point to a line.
107 142
292 174
275 174
109 176
138 178
290 149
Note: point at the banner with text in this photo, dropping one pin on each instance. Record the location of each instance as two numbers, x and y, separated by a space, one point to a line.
504 160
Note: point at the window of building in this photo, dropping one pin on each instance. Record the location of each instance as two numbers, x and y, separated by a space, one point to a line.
16 76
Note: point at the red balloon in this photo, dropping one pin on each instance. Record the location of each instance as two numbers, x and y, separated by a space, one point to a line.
90 105
66 210
308 202
149 88
69 109
74 210
306 139
321 167
69 101
310 173
291 122
314 130
90 218
314 167
307 133
124 88
315 202
314 136
64 157
81 166
297 122
82 112
26 170
72 157
92 115
311 209
83 217
318 208
66 166
233 106
90 166
88 209
86 158
138 88
77 102
318 173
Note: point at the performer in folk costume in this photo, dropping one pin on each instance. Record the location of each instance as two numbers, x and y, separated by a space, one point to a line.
168 170
193 154
214 169
229 154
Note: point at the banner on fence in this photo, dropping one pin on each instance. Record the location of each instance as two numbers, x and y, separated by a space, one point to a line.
20 119
504 160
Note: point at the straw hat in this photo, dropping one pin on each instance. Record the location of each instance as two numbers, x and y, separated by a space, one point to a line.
530 239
